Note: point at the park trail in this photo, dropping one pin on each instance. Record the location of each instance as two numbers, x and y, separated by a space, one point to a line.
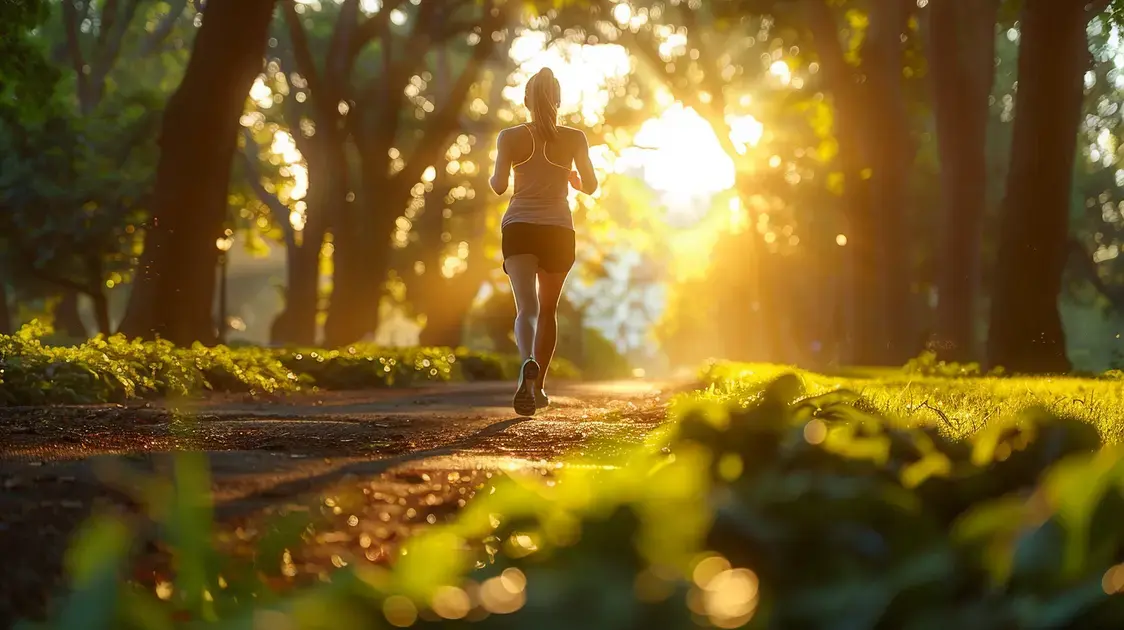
368 468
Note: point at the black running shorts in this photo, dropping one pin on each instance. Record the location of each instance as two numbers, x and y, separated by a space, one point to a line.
554 246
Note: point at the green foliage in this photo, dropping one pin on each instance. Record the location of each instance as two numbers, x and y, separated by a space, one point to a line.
362 365
115 369
75 190
781 509
927 364
78 145
960 406
27 79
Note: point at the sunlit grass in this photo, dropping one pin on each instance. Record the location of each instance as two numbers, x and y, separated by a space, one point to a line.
960 405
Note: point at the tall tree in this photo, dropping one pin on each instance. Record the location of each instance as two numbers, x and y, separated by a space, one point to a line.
875 155
961 54
445 264
27 82
77 167
93 38
1025 331
174 290
392 163
316 120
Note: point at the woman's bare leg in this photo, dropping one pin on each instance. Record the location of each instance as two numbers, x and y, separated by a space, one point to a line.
521 272
546 337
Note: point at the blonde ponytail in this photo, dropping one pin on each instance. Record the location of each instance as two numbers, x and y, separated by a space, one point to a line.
543 96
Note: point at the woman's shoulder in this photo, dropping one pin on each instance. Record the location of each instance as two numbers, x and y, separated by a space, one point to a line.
573 134
514 129
571 131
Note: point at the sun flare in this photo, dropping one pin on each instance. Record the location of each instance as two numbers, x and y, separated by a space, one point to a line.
676 151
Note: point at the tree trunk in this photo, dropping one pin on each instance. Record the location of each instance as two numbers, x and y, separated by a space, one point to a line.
892 154
446 313
875 155
961 54
1025 334
327 165
363 254
757 334
296 324
67 319
101 313
862 318
446 301
360 263
174 291
5 312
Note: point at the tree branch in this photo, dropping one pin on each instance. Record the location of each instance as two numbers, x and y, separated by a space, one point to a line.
160 34
110 47
27 257
337 65
371 28
61 52
323 102
392 83
280 211
444 121
292 111
71 22
149 123
715 110
108 20
1088 270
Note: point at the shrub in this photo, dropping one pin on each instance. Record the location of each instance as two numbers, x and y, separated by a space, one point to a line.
116 369
787 510
927 364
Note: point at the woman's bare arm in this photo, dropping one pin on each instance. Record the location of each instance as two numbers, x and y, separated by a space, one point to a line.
584 166
501 175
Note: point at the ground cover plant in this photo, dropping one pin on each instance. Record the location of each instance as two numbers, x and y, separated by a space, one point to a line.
956 398
117 369
759 504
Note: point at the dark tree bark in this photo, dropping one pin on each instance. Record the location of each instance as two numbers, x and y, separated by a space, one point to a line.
101 313
5 313
67 319
297 323
962 69
875 155
444 301
892 154
1025 333
175 287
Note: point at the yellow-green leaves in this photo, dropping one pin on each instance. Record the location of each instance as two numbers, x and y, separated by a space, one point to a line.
94 564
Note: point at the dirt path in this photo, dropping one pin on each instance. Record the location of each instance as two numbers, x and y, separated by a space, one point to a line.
367 468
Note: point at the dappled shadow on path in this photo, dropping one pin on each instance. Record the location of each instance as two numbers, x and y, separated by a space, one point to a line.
234 507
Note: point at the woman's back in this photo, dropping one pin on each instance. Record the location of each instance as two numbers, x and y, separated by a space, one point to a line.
542 171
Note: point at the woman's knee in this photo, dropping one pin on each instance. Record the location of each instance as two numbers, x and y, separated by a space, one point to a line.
528 312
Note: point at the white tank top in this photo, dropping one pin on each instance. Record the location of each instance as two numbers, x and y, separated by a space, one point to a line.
541 190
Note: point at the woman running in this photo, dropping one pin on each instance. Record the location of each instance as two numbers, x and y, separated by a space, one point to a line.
538 228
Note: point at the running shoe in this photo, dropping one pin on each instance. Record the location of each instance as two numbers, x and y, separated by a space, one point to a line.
542 401
524 401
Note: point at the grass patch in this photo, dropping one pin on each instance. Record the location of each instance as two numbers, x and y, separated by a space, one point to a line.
117 369
765 502
961 405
